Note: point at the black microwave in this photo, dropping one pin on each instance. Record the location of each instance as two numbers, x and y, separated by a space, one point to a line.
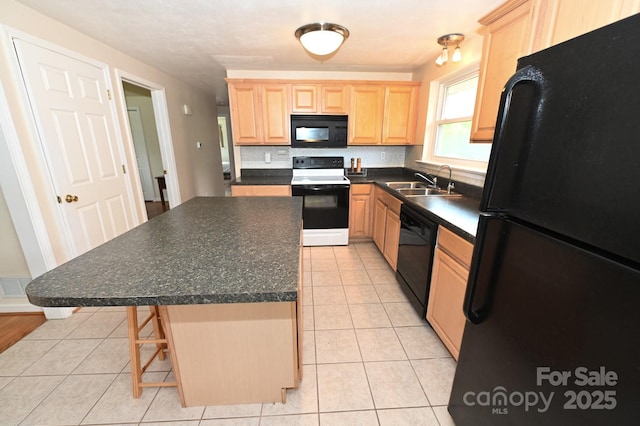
319 131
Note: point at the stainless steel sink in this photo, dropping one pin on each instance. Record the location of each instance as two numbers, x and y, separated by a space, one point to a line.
417 192
406 185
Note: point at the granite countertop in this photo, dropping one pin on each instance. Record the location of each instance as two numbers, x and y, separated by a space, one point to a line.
459 214
264 177
206 250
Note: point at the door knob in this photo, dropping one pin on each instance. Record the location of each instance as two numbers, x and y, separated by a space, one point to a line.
71 198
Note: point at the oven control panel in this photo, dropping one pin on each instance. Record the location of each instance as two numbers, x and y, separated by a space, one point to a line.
318 162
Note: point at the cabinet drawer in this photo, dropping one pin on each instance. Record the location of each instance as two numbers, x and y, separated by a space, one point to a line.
389 200
455 246
361 189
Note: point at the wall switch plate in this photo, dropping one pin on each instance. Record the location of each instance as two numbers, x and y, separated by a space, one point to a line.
198 145
382 155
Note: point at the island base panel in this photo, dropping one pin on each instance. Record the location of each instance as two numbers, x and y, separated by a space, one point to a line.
235 353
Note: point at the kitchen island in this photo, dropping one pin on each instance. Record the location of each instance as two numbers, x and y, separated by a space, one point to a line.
226 273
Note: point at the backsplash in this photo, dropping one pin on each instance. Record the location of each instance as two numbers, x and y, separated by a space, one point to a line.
254 157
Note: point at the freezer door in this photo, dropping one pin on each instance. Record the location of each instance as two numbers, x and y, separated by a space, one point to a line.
556 338
566 152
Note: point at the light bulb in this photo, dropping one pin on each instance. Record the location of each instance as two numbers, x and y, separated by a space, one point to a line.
445 54
321 42
457 55
439 61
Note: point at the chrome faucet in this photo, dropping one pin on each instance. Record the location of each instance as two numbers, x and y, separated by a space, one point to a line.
450 185
431 182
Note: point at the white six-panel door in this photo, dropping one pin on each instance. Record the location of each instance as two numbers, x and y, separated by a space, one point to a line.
70 103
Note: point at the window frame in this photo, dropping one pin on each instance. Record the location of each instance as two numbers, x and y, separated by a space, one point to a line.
436 104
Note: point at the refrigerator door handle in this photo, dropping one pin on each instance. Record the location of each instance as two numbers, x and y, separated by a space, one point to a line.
484 265
526 75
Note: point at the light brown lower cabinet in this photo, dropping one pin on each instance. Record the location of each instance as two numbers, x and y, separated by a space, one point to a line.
249 354
386 225
261 190
236 353
360 211
448 286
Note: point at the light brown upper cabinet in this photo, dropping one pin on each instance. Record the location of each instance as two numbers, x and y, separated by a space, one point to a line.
259 113
520 27
507 36
304 98
334 99
380 112
565 19
319 99
365 114
400 115
383 114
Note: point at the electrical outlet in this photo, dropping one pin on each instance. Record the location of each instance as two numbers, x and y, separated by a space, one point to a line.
382 155
267 157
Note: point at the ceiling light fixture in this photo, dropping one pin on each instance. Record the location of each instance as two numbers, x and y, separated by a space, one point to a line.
446 41
322 38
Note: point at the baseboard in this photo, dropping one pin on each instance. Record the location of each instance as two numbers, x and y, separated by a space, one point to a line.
17 305
13 298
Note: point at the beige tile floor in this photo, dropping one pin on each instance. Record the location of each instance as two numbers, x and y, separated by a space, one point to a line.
369 359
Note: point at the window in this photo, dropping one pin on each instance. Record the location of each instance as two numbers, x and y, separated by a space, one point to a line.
449 142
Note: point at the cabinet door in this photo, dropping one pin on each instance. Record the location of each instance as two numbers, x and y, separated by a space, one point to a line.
400 105
507 37
365 114
446 295
392 238
245 113
275 114
334 99
565 19
304 98
360 211
379 222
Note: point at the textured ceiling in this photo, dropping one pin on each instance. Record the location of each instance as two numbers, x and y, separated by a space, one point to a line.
198 40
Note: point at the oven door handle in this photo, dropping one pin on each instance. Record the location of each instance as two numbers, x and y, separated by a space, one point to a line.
320 187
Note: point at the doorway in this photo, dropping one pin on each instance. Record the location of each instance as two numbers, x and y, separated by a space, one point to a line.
226 148
144 133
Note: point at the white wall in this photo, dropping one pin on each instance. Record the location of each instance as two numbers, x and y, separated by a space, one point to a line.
199 171
12 261
471 53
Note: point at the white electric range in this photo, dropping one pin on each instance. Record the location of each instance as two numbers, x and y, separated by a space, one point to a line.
325 190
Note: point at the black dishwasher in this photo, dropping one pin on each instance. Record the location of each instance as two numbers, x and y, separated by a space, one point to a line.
415 254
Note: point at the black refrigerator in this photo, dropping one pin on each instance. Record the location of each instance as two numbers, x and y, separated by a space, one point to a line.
553 300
